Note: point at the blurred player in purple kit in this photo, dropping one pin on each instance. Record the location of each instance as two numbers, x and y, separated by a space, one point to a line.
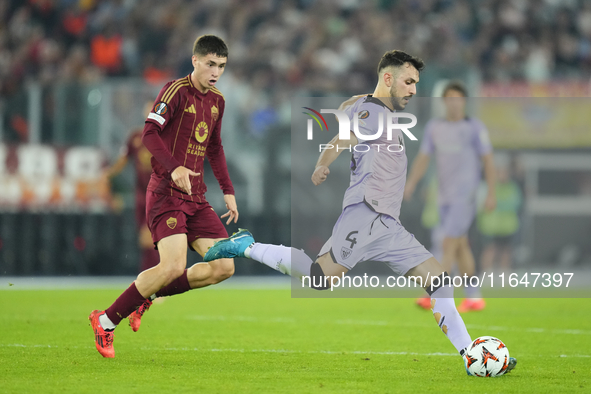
369 228
460 144
183 127
135 151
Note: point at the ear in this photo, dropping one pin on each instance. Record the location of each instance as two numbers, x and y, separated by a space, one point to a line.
194 60
388 79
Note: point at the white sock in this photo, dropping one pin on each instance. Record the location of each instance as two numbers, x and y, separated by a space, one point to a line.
280 258
448 318
472 292
106 323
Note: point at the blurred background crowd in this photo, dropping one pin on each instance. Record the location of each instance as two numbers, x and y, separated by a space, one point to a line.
281 48
76 74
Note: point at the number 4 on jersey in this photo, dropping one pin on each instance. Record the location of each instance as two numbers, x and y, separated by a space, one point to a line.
350 239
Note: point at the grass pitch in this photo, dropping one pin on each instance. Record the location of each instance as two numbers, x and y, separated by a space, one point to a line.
263 341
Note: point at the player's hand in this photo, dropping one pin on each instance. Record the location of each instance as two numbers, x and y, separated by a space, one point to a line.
320 174
490 203
408 191
180 176
230 201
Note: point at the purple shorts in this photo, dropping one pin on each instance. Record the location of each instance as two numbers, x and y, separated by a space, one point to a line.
456 219
361 234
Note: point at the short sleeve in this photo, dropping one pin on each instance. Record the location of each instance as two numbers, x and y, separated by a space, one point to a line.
367 117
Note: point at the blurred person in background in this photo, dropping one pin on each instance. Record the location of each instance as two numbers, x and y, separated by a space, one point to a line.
430 217
460 144
135 151
500 225
183 127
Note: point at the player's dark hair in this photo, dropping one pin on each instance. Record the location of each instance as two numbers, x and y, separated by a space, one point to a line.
456 86
397 58
207 44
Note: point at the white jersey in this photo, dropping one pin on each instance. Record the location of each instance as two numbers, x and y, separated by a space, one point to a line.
378 167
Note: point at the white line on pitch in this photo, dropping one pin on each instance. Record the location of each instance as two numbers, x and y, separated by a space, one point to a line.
386 323
230 350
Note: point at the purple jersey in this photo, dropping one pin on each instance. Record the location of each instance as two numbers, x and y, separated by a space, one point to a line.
378 167
458 148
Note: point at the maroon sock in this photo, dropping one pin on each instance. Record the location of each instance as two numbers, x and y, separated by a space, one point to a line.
177 286
125 304
150 258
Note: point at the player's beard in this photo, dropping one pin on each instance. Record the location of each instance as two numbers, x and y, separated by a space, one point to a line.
396 99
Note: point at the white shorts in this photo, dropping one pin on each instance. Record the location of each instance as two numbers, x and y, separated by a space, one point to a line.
361 234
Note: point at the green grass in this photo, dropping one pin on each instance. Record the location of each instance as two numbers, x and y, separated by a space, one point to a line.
263 341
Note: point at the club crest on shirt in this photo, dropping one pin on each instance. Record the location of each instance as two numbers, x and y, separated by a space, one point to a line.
345 253
161 108
201 132
171 222
363 114
215 113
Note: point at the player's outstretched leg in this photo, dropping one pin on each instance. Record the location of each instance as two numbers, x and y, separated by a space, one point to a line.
231 247
287 260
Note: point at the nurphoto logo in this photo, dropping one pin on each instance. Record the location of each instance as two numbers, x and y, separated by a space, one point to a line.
386 121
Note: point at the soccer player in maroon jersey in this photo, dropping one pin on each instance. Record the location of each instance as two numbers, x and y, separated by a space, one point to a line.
135 151
183 127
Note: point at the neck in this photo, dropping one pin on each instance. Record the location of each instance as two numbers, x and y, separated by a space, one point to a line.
198 86
382 93
455 117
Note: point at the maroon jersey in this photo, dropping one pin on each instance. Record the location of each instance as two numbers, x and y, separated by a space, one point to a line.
140 155
184 127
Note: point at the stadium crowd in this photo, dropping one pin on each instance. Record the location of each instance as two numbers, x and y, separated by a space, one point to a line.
282 48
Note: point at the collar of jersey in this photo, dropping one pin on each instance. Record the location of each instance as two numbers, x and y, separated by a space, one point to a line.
373 100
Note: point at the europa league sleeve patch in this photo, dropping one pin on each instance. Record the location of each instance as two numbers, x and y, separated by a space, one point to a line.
161 108
157 118
363 114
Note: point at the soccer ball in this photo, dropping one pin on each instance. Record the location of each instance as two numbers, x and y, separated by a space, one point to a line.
487 357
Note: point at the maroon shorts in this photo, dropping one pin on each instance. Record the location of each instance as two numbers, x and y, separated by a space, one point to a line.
169 215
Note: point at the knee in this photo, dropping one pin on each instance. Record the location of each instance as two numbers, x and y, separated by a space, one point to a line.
173 270
222 272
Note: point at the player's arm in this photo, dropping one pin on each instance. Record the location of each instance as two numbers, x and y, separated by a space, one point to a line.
327 156
166 105
117 167
335 147
419 167
217 159
490 175
124 155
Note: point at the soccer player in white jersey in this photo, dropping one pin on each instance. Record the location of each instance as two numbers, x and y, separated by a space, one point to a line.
368 228
460 144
